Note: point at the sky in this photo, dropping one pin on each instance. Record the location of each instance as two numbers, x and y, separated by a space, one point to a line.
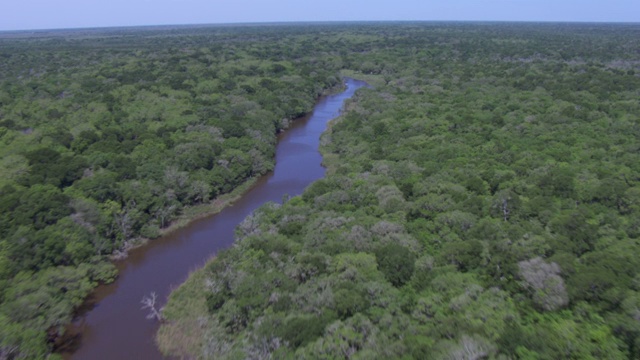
55 14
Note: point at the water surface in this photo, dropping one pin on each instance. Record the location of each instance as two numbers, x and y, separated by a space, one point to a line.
116 327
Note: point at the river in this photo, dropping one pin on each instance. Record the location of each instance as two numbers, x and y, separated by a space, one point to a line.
115 326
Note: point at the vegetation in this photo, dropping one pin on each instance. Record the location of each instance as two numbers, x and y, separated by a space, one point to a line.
483 198
108 136
483 202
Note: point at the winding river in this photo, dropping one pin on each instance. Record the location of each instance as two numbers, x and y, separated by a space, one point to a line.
115 326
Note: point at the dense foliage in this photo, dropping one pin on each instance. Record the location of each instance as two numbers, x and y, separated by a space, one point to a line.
483 202
106 136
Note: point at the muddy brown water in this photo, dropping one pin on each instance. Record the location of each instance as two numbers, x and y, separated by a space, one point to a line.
113 325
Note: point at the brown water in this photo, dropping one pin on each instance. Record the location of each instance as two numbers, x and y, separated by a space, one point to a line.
115 326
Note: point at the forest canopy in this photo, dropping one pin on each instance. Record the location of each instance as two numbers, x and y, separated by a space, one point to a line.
483 198
107 137
481 203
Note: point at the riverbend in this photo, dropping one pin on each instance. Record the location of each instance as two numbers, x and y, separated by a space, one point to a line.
116 327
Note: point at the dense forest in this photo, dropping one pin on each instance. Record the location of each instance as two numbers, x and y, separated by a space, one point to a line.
108 136
483 198
483 201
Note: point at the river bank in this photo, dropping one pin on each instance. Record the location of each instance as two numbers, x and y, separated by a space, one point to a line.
183 326
181 332
116 326
214 206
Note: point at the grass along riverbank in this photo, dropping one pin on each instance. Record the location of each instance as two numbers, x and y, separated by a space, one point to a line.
201 211
193 213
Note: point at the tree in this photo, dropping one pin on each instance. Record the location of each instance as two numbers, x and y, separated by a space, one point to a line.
149 303
548 290
396 262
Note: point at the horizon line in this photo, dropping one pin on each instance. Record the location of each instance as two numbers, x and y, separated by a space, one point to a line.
293 22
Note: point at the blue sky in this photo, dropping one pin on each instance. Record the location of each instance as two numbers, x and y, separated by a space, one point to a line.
51 14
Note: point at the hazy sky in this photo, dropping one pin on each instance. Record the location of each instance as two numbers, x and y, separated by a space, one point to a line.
49 14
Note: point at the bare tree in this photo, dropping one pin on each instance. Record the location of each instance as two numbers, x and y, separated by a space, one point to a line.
124 220
505 209
504 202
471 348
175 178
544 280
149 302
199 191
164 213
